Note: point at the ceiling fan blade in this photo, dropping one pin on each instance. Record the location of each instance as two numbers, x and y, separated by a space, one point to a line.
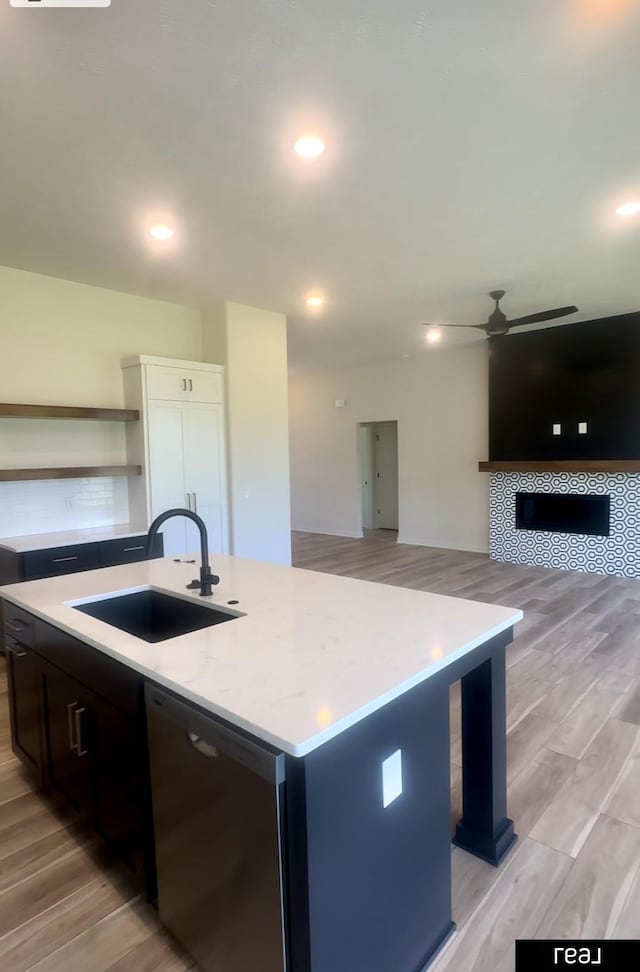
482 327
549 315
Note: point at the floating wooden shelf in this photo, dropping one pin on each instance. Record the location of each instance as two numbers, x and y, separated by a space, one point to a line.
564 465
69 412
67 472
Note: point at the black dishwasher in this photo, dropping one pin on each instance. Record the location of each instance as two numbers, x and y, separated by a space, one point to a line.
216 808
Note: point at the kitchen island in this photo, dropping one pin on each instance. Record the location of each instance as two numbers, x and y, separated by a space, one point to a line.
344 685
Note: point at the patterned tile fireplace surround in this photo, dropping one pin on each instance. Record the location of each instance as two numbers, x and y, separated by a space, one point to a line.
618 553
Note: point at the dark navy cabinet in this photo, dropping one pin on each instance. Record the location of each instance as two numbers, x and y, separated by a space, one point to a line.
35 564
78 724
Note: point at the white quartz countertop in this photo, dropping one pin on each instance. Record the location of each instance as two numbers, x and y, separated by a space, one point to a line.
314 654
67 538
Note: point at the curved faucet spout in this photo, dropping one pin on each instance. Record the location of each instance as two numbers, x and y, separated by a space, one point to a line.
207 578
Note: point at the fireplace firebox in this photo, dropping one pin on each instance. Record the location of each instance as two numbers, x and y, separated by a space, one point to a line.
581 513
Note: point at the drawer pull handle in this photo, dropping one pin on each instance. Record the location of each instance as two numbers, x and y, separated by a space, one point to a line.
62 560
129 549
14 649
190 384
73 742
16 625
184 384
78 716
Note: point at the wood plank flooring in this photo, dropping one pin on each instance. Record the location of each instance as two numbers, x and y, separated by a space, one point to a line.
574 785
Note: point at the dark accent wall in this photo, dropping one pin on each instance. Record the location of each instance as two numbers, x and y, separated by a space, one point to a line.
571 373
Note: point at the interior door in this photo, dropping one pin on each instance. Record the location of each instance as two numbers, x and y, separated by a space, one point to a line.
205 473
167 472
366 475
385 450
66 736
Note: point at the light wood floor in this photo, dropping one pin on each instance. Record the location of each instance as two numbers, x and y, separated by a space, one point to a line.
574 786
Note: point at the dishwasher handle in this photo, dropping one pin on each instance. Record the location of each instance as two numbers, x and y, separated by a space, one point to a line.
209 737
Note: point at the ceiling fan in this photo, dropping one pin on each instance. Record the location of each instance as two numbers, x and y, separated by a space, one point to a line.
497 325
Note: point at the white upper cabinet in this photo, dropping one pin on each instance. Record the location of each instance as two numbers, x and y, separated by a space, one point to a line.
181 445
183 384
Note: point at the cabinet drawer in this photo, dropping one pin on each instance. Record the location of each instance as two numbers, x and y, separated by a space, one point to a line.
128 550
60 560
19 625
184 384
108 678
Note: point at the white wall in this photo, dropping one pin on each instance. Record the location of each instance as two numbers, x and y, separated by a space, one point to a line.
440 401
61 344
252 343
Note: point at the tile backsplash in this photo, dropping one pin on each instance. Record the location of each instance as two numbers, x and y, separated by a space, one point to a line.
46 506
50 505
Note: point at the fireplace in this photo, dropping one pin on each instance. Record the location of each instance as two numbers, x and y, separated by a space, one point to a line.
580 513
609 541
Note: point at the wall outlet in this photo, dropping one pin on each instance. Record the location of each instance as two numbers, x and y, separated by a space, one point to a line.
391 778
340 402
582 428
557 429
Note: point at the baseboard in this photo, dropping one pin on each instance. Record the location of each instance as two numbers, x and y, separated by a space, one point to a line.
328 533
441 546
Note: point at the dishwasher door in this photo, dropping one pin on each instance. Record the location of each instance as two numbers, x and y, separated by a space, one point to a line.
216 810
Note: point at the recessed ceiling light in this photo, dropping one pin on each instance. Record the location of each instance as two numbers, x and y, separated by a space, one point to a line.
161 232
434 334
309 147
628 209
315 301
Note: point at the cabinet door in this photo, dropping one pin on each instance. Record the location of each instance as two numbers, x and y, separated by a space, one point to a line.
204 386
66 730
184 384
24 685
205 473
116 779
166 472
167 383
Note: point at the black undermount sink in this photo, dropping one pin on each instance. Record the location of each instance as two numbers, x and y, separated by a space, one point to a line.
154 615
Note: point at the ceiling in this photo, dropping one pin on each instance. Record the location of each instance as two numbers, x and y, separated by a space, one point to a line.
470 146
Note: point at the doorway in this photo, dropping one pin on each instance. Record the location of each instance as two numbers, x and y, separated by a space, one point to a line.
378 454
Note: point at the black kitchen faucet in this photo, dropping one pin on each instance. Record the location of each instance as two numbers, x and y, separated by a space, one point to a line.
207 578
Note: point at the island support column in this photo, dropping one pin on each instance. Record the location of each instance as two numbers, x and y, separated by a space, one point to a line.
485 830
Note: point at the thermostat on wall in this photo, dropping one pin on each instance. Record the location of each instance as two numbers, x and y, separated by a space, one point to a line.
340 402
